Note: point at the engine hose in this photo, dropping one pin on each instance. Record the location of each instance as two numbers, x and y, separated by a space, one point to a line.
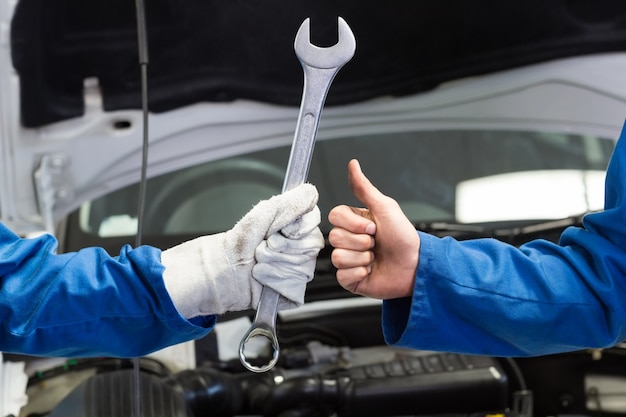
208 390
300 395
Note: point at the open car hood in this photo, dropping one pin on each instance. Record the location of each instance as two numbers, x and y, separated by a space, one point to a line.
223 78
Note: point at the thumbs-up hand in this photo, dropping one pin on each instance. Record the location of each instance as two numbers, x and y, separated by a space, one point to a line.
376 248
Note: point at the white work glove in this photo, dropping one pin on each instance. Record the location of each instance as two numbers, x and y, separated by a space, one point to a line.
290 253
276 243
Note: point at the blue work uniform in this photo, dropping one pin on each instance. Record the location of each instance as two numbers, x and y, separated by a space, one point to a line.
86 303
483 296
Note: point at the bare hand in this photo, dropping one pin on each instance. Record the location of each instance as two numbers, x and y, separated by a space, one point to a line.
376 249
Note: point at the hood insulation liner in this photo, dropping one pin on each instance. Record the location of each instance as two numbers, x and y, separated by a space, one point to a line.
204 50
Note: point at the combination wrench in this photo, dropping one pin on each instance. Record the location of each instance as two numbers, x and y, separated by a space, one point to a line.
320 65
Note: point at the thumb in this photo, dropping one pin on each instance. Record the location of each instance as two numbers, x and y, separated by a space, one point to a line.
362 188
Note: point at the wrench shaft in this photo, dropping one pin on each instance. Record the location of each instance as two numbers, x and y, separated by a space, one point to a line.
317 82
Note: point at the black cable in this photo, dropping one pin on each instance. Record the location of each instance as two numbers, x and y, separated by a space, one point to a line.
143 63
142 41
522 398
518 373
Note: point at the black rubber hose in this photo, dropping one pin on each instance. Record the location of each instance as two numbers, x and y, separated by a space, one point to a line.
303 394
210 391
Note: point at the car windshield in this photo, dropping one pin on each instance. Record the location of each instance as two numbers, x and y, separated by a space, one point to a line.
456 176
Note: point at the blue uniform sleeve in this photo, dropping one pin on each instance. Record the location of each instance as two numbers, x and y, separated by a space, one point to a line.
487 297
86 303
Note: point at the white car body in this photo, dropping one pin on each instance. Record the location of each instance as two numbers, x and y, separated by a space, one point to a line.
50 171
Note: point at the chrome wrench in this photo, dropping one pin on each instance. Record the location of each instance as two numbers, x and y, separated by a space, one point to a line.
320 65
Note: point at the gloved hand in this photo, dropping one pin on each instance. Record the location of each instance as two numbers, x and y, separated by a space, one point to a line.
290 253
276 243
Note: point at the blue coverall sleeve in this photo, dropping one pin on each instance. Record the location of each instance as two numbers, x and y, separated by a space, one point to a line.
487 297
86 303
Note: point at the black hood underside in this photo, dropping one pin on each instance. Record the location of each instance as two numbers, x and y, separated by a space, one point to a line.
204 51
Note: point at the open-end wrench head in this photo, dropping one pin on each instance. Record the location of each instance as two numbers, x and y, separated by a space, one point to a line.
330 57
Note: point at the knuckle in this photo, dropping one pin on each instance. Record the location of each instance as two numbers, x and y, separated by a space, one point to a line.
336 258
335 213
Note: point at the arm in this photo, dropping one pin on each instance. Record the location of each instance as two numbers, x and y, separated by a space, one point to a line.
487 297
484 296
86 303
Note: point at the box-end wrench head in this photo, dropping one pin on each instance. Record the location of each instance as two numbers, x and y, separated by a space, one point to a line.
320 65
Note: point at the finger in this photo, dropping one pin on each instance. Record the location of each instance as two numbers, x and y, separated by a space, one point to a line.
351 278
342 238
353 219
362 188
291 205
311 243
303 225
345 258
